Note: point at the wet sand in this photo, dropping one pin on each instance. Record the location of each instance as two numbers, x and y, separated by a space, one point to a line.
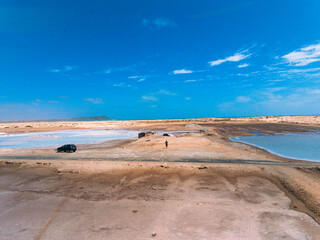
203 186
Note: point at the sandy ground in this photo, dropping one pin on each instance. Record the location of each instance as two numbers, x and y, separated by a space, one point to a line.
15 127
147 201
209 146
203 186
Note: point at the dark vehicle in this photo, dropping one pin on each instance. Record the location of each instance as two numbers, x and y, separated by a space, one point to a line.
67 148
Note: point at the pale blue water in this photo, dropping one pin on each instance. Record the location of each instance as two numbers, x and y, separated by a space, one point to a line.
57 138
303 146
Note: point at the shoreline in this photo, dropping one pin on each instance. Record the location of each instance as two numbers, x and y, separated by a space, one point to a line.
119 141
141 172
274 153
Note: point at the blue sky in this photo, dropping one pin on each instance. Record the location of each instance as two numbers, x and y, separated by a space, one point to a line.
145 59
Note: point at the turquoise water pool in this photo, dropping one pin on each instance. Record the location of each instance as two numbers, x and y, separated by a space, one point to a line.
302 146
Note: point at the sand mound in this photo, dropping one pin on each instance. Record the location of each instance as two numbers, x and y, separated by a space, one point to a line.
182 141
193 126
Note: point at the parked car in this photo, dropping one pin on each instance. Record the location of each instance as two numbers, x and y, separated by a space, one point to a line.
67 148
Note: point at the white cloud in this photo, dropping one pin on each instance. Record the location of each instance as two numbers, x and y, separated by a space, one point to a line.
243 74
121 84
243 65
299 98
165 92
270 68
149 98
53 102
111 70
229 105
217 62
162 22
313 91
153 96
69 68
304 70
118 84
182 71
275 101
275 80
243 99
63 69
193 80
304 56
187 98
139 78
55 70
94 100
276 89
158 23
235 58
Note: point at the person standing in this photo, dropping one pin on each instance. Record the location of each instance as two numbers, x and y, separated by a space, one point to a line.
166 144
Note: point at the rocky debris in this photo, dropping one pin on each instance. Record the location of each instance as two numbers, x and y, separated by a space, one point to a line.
164 166
205 130
203 167
222 132
210 134
145 134
153 234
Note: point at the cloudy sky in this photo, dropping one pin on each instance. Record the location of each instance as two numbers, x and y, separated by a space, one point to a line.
147 59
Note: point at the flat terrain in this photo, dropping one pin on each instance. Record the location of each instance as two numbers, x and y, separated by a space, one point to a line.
293 122
203 186
146 203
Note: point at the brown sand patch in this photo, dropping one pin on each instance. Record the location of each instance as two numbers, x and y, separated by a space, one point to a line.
138 202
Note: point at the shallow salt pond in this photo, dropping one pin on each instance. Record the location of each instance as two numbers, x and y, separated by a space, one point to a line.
302 146
57 138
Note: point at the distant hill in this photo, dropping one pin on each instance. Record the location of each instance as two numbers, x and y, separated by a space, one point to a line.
96 118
